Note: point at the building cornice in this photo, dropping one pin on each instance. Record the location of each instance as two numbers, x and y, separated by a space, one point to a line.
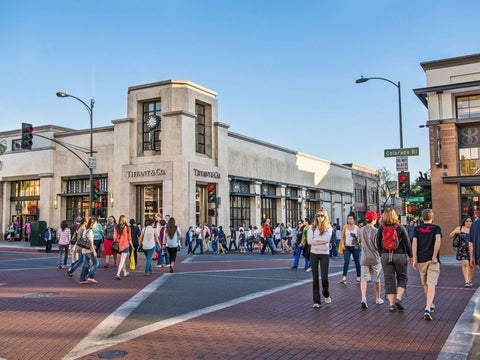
172 82
422 93
449 62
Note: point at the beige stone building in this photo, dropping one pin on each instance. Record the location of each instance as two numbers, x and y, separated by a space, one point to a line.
452 97
162 158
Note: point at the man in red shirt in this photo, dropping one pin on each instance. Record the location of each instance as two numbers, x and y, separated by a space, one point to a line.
268 236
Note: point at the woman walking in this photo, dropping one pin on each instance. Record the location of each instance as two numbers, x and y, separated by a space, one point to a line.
172 233
108 240
123 236
148 239
463 253
350 247
318 238
90 256
394 262
76 253
64 237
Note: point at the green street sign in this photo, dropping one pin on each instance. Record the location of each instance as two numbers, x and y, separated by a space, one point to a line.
415 199
401 152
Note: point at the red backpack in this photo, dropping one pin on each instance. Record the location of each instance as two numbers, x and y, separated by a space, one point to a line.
390 237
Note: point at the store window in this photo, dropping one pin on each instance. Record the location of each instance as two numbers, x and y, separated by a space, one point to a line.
469 150
292 206
269 210
468 106
203 128
149 202
77 193
24 205
372 197
470 196
151 125
240 201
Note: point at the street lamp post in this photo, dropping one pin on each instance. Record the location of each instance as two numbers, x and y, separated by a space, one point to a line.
89 108
397 85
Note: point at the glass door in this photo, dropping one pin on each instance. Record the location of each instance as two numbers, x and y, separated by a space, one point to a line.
149 202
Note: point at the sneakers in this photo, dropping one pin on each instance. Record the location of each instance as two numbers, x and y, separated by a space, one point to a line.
364 303
293 267
316 305
358 279
159 265
106 266
344 280
328 300
427 315
379 301
59 266
432 309
69 274
399 305
308 270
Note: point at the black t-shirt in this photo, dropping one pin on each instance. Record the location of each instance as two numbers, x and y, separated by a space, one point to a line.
426 234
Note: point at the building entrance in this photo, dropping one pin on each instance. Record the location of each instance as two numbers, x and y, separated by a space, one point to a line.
470 201
149 202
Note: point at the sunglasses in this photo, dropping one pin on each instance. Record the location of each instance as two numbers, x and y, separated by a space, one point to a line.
468 220
320 215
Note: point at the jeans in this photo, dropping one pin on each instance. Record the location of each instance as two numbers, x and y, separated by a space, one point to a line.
269 242
62 249
198 242
324 261
250 246
189 244
347 252
48 246
77 263
214 244
89 270
232 243
298 252
148 263
97 244
334 250
158 249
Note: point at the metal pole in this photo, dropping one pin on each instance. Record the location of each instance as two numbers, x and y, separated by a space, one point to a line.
92 102
400 115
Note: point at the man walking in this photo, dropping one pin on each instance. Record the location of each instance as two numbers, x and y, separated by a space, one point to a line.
425 248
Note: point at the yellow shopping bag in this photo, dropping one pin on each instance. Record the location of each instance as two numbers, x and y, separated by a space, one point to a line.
340 247
132 261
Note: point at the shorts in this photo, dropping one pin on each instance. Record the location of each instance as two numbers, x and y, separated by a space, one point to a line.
429 272
368 272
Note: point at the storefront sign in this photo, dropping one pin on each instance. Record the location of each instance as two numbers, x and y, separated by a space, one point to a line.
145 173
208 174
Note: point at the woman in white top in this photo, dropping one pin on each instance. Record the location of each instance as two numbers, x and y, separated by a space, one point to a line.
318 239
172 233
350 247
148 239
64 237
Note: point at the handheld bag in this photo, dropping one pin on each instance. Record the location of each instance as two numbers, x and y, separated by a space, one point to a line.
115 247
83 242
456 241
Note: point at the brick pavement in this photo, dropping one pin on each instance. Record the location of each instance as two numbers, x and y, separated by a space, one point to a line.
277 326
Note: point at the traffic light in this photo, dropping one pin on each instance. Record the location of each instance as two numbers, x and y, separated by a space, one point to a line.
211 212
212 193
95 190
404 184
27 135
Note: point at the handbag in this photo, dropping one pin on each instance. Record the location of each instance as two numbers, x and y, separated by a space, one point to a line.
456 241
340 247
115 247
306 251
83 242
132 261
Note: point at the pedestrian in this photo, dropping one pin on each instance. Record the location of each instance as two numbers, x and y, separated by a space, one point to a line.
350 247
370 259
319 235
123 236
463 251
97 235
426 258
189 239
333 241
108 240
11 232
222 240
277 233
163 259
214 242
242 241
302 237
197 236
77 253
48 237
206 237
233 239
268 235
148 239
394 258
64 237
90 256
250 238
172 234
283 238
135 233
410 229
289 237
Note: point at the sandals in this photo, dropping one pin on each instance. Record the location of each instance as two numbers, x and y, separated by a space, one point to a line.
392 308
118 277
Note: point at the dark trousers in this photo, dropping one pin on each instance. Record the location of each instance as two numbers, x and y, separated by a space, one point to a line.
198 242
48 246
324 261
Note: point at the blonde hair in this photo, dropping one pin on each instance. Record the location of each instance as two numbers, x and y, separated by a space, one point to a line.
321 225
389 217
427 214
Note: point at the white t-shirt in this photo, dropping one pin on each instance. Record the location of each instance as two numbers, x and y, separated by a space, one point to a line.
148 241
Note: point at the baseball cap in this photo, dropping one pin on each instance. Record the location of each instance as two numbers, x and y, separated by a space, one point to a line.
78 219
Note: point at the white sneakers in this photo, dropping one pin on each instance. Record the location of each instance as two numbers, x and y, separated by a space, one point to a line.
328 300
364 303
379 301
316 306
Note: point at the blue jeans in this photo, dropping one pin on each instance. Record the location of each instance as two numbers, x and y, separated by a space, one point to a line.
158 249
77 263
189 243
198 242
298 252
233 242
250 246
347 252
269 242
89 270
214 245
62 251
148 263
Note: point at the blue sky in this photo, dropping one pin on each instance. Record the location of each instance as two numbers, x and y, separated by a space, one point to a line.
284 71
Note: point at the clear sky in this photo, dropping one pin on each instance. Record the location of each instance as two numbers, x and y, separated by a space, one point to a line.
284 71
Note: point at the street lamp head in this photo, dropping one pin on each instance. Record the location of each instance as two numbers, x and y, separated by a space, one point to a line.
62 94
361 80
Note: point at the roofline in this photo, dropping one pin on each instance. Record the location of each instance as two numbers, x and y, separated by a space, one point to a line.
173 82
454 61
422 93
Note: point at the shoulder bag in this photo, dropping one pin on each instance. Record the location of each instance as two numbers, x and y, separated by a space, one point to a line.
457 239
115 247
83 242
